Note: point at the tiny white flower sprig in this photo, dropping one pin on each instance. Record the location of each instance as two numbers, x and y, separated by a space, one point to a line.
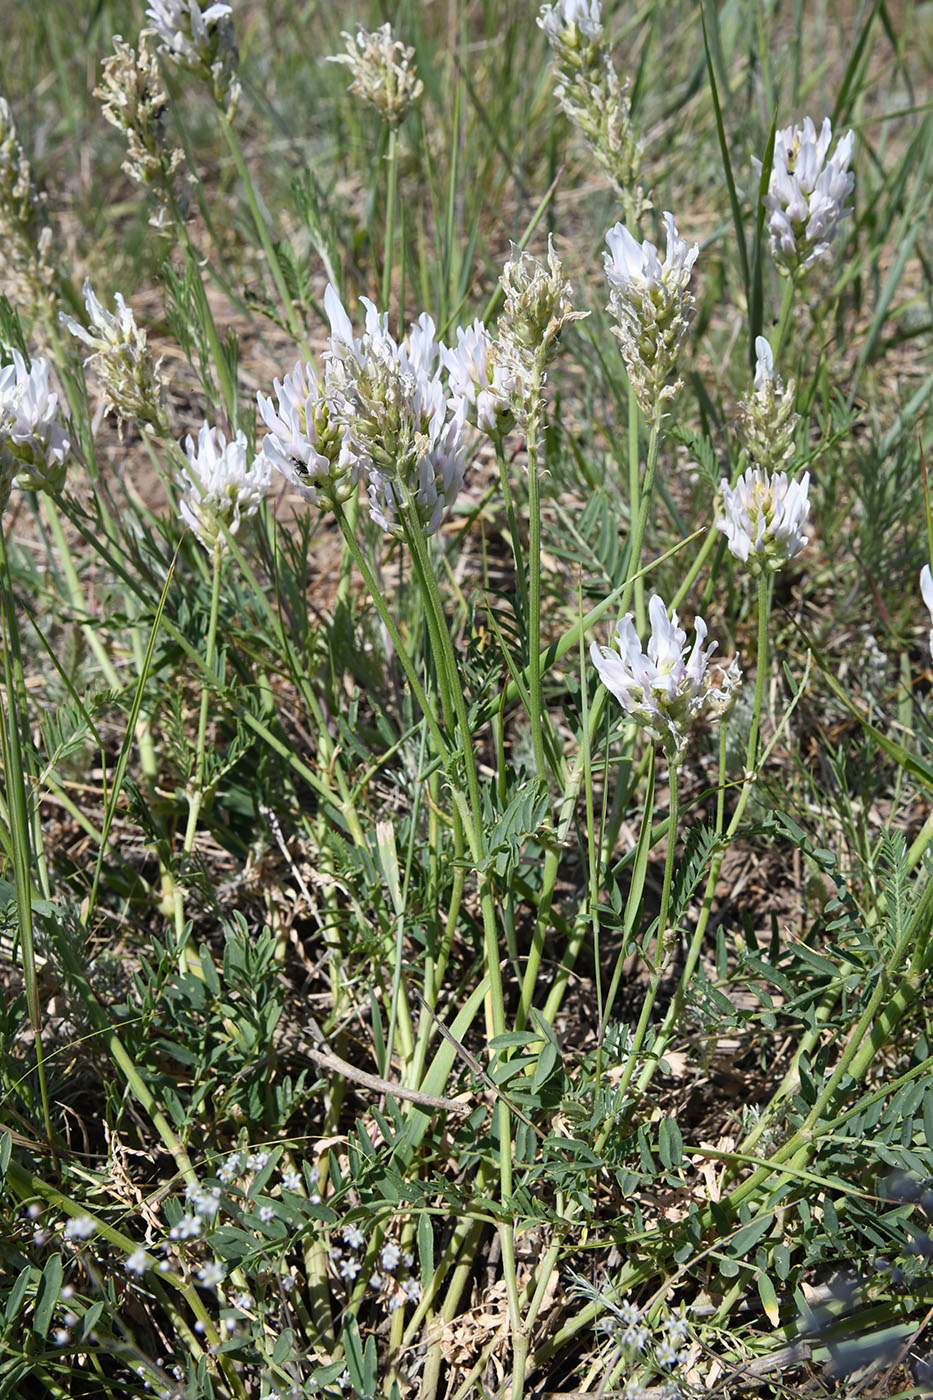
666 687
807 193
221 485
382 71
653 308
763 516
33 444
122 361
926 591
202 41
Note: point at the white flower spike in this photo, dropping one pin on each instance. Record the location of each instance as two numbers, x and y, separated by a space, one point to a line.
667 687
220 485
653 307
122 360
807 193
763 517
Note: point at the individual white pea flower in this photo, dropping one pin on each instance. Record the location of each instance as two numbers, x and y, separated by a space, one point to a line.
404 431
926 590
383 72
806 197
201 40
767 414
304 443
122 361
33 443
665 688
220 485
653 307
762 517
480 383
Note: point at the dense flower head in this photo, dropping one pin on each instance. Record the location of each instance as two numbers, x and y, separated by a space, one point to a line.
665 688
762 518
33 443
926 590
767 414
652 305
220 485
538 305
201 40
807 192
480 383
122 361
305 442
405 432
383 72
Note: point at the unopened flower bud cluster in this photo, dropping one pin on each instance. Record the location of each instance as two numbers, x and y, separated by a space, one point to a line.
767 416
121 359
133 99
202 41
536 309
653 307
27 267
593 96
383 73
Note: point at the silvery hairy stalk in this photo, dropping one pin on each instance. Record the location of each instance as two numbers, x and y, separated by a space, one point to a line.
133 100
536 309
767 416
306 441
592 95
402 427
762 518
926 591
221 485
667 687
382 71
807 193
121 359
33 443
202 41
27 267
653 308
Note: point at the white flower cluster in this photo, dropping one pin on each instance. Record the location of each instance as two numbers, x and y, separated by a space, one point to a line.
762 518
566 20
807 193
767 414
383 73
652 306
201 40
122 361
537 306
666 688
220 485
33 443
133 99
381 414
480 381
